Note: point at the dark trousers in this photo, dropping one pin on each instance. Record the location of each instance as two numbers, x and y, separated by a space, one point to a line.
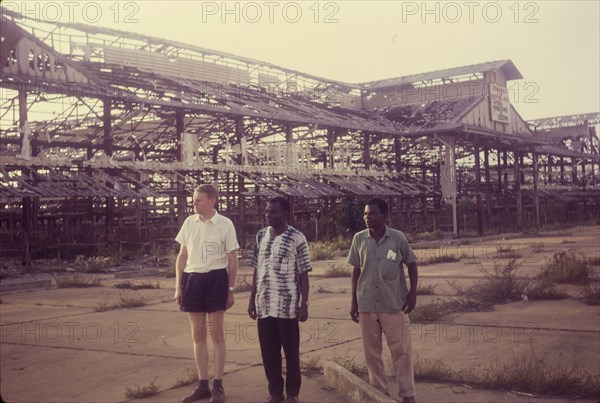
274 333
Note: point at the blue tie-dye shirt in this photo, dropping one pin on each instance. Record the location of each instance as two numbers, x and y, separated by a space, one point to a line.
279 261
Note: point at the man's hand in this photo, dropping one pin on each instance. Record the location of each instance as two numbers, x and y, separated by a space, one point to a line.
252 308
302 313
354 312
230 300
410 303
178 296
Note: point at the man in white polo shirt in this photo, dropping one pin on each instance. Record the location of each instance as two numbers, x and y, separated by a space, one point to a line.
206 269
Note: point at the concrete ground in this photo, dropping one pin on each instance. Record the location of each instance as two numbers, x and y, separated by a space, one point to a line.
56 345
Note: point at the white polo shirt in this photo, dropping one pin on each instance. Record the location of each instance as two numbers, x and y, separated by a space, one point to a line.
207 242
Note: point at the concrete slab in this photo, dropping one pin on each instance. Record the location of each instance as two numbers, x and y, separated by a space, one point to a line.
55 347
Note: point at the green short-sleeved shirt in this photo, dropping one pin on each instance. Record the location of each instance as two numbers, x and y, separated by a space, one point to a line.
381 285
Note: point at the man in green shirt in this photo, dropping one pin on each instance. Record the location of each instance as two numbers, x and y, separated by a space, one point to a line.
381 300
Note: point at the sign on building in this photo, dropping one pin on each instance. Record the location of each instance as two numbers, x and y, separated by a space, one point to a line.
499 103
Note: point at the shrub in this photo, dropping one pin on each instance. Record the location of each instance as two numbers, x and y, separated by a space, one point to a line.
321 251
567 266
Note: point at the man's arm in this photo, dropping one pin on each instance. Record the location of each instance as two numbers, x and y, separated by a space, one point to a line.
179 266
304 287
354 303
252 301
232 271
411 298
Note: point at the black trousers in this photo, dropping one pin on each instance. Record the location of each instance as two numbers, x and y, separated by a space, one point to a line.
273 334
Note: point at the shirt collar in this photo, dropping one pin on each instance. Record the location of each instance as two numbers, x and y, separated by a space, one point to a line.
385 234
212 219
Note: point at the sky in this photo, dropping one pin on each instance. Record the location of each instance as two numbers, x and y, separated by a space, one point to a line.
554 44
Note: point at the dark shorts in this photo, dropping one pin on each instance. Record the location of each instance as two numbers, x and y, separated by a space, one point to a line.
204 292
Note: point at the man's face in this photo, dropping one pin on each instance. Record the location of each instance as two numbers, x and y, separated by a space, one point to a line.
373 217
202 203
275 215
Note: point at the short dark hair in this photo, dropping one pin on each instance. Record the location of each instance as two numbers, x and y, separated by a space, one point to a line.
379 202
285 205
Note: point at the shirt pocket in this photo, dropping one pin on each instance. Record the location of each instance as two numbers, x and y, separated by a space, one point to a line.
391 269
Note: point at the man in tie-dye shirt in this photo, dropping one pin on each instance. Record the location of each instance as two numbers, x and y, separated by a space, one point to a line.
279 298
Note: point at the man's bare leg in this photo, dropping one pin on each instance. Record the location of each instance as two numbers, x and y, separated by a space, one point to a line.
215 323
198 324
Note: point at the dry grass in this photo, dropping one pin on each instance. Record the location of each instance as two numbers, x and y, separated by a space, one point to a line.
191 377
426 290
337 271
528 374
567 266
127 299
311 366
590 294
434 259
351 365
129 285
138 392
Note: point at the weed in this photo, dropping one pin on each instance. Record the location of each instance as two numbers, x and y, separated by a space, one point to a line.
500 285
535 375
439 259
311 366
542 288
93 264
191 377
426 290
591 294
503 248
350 364
127 299
138 392
436 371
132 300
337 271
435 310
77 280
129 285
567 266
525 374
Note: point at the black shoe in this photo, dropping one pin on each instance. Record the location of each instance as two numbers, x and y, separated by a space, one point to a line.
218 394
275 398
291 399
201 392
